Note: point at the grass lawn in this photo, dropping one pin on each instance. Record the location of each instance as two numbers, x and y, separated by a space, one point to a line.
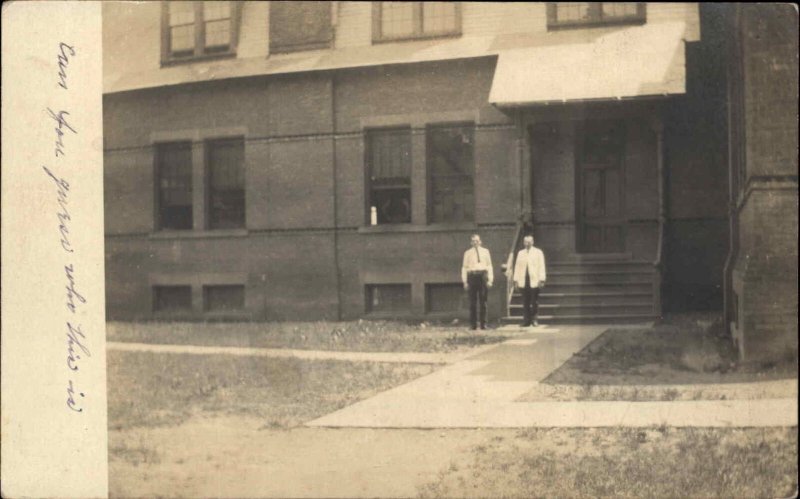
357 336
684 357
626 462
154 389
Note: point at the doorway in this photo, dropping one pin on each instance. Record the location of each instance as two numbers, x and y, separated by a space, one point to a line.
599 190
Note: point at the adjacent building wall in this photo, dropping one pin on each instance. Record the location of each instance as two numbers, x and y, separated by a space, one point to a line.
764 116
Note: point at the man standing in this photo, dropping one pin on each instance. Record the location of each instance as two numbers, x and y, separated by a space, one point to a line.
477 276
530 276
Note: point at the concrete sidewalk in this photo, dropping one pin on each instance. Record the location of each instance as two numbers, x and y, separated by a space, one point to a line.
480 392
392 357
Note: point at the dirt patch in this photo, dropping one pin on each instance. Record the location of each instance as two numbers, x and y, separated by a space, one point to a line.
157 389
626 462
354 336
681 358
233 456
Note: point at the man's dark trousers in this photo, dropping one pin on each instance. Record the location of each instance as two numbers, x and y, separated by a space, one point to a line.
530 298
477 297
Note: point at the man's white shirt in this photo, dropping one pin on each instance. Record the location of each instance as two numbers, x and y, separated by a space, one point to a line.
477 259
532 262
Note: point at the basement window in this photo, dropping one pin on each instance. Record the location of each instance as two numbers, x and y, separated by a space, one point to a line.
172 298
388 298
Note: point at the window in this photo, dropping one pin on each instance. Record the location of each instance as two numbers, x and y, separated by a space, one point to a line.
295 26
174 181
198 29
389 175
445 298
388 298
226 184
172 298
404 20
228 298
450 164
577 14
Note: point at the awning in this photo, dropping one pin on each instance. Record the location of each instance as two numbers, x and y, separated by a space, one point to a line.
634 61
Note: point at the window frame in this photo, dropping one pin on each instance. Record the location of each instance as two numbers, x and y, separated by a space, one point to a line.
157 166
208 146
597 20
278 48
199 53
418 32
368 184
429 172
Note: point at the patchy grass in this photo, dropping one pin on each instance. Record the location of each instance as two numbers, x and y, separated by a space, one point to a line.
685 357
626 462
154 389
357 336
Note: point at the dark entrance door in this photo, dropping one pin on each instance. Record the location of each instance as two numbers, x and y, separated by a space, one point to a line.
600 186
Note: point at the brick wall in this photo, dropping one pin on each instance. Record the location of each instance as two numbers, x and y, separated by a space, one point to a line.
286 258
765 272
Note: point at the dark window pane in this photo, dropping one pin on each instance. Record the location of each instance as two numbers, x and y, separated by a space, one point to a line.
438 17
299 26
446 298
389 170
451 163
174 171
172 298
223 298
388 298
572 11
577 13
226 184
181 28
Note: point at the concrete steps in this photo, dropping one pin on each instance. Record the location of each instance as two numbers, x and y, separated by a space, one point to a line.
612 288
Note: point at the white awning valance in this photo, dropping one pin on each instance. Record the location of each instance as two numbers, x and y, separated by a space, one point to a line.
634 61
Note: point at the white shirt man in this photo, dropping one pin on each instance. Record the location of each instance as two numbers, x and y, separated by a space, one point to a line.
529 277
478 276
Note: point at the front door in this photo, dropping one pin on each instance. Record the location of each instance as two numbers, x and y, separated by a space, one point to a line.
600 151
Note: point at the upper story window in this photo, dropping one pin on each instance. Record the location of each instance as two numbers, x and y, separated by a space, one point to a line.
580 14
194 30
409 20
295 26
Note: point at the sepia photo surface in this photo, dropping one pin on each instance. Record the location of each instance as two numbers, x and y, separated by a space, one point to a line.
438 249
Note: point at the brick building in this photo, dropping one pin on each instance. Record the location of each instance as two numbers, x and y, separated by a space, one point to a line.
329 160
761 274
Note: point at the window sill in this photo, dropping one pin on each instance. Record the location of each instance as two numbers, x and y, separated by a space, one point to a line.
414 38
594 24
405 228
176 61
198 234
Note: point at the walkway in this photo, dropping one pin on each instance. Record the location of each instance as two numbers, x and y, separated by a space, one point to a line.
480 392
392 357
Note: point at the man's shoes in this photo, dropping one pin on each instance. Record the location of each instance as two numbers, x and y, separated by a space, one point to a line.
527 324
535 323
473 328
483 326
